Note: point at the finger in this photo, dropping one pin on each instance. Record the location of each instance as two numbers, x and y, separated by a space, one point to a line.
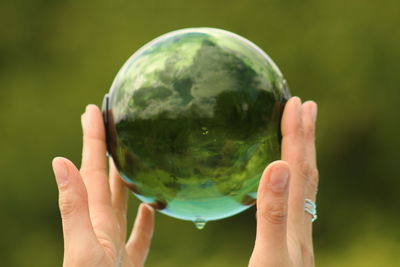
77 227
309 118
139 242
293 152
309 112
94 174
94 159
119 198
272 210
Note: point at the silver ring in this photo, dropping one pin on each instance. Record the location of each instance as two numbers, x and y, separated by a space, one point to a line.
311 208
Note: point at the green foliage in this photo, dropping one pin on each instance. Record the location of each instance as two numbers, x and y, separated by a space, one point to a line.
58 56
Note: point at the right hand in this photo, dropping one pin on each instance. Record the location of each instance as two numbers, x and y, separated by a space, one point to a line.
284 229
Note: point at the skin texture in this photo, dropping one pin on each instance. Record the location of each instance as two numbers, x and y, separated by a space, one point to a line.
93 201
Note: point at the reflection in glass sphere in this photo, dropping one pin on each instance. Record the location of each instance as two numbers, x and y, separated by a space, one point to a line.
192 120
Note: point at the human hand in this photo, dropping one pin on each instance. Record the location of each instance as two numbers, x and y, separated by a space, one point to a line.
93 206
284 229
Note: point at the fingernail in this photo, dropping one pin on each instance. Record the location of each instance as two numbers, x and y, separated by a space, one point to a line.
60 171
90 106
87 117
150 208
314 111
279 179
298 104
83 120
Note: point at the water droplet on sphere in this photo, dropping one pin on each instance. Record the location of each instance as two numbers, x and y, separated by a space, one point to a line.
199 223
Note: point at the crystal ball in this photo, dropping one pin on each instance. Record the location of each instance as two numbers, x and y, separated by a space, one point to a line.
192 119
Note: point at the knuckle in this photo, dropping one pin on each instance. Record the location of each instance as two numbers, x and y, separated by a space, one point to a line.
304 169
297 132
309 132
68 206
88 171
300 129
98 222
314 174
275 212
94 138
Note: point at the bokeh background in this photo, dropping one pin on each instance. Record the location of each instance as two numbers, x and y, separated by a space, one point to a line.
58 56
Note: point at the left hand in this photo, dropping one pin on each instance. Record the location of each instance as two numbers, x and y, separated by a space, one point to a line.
93 206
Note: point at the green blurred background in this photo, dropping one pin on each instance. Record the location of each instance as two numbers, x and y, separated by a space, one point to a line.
58 56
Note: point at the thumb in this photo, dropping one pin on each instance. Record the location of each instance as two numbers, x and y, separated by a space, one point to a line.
272 207
73 203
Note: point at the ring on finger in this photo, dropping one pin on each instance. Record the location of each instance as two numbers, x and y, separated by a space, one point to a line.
311 208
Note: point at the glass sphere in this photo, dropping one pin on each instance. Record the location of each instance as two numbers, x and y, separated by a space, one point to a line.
192 119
